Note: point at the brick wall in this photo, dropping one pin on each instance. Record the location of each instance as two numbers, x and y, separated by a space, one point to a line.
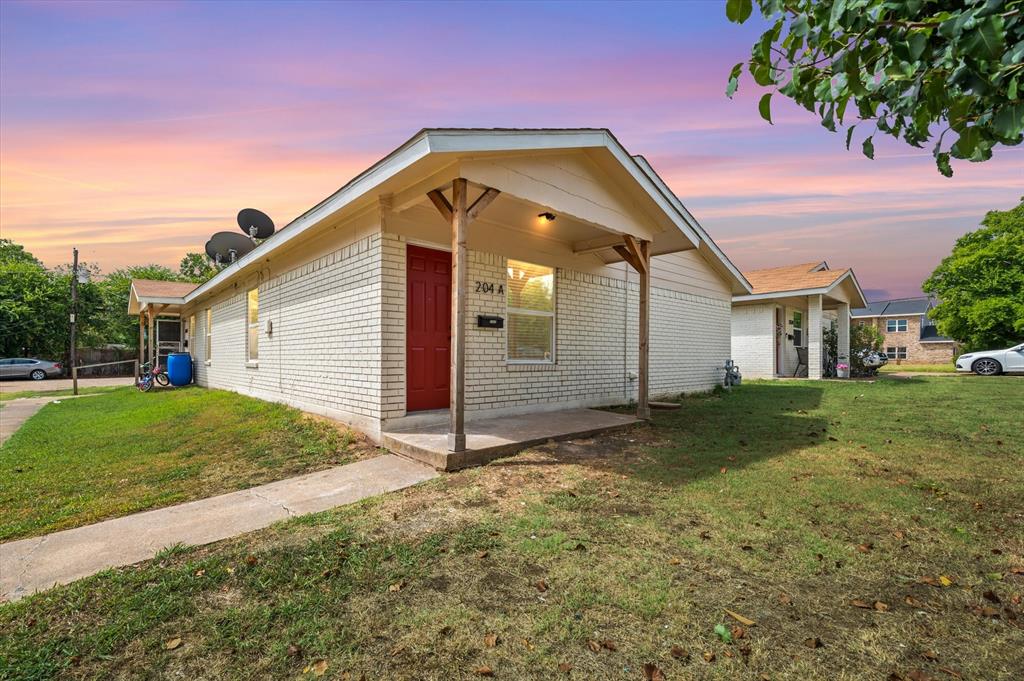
596 341
324 354
917 352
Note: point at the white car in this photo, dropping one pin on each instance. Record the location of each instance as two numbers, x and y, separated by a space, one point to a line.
993 362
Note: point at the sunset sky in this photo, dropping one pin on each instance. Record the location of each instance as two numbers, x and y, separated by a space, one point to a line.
135 130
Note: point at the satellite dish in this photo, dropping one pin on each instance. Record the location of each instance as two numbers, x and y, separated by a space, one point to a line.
227 247
255 223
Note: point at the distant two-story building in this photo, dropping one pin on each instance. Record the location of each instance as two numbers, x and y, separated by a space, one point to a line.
909 335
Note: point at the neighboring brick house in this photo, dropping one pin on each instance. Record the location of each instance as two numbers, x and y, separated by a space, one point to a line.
581 280
909 335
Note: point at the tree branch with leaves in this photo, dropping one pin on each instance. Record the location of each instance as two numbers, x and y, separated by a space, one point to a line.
913 70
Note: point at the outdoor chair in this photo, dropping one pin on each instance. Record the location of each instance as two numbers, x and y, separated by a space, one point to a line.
801 360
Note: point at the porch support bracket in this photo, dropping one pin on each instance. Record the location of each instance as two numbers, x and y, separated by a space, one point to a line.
459 215
638 254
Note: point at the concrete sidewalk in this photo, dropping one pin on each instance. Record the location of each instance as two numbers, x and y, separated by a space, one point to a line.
53 384
34 564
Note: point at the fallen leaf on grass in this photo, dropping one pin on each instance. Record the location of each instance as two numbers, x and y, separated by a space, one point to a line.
723 633
814 642
929 655
678 653
482 555
709 656
652 673
949 671
491 640
738 632
564 667
318 668
251 560
397 586
200 573
483 671
609 645
866 547
173 643
723 469
991 596
945 581
527 644
913 602
541 585
740 618
785 599
594 646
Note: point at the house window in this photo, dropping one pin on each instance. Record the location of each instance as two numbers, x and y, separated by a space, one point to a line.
896 352
209 334
253 324
894 325
530 296
798 329
190 334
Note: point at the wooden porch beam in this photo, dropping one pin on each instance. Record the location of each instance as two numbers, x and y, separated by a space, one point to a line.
643 409
635 250
460 289
442 205
481 203
627 256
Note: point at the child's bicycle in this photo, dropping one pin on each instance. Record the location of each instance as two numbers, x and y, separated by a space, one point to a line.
150 375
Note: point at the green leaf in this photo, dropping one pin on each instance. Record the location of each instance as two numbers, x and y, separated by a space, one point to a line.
764 107
1011 91
988 39
942 162
838 7
968 142
1009 120
723 633
869 148
738 11
731 88
849 136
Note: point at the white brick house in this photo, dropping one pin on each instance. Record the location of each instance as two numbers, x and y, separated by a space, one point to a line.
781 321
354 300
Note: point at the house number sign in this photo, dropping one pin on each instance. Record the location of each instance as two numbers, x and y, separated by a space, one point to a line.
490 287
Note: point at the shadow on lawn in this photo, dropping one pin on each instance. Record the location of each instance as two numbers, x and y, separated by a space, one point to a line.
731 430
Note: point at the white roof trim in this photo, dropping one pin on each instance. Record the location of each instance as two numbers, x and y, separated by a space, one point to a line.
467 141
692 221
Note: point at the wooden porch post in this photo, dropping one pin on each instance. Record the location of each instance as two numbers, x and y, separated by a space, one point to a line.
142 337
460 286
151 340
638 255
459 214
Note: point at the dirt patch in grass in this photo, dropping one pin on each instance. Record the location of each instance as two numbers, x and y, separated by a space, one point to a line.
874 549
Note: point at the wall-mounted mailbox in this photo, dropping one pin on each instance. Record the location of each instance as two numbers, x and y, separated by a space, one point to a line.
485 321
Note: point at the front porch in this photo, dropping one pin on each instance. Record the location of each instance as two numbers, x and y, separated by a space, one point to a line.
491 438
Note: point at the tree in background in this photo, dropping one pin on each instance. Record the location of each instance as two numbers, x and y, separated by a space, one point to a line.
197 268
864 338
35 304
118 327
909 69
980 285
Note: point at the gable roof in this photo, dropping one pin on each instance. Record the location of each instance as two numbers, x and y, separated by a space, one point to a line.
149 288
808 275
453 142
895 307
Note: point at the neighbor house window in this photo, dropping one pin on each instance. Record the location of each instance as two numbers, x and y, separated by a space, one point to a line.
530 296
894 325
798 329
209 334
896 352
253 323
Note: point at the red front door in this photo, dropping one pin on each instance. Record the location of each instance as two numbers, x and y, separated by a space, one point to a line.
428 328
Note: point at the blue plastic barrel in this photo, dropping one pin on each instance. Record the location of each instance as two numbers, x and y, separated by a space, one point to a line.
179 368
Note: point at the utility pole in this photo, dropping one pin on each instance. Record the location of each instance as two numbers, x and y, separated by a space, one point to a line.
74 321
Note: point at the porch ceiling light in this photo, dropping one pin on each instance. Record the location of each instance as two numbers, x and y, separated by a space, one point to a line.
546 216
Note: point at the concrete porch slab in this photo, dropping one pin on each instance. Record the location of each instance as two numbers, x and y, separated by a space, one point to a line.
489 439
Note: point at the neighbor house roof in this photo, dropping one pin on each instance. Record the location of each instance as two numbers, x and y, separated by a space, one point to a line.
895 307
808 275
148 288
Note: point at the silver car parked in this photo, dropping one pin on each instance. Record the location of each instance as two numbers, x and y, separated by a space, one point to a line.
22 367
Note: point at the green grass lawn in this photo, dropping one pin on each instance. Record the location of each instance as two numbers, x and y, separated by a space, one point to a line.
869 530
124 451
893 367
